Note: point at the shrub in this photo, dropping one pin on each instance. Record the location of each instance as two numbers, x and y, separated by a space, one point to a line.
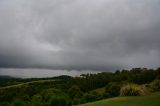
4 104
133 90
76 101
48 93
75 92
113 89
59 101
36 100
106 95
89 97
155 85
82 100
18 103
93 96
53 97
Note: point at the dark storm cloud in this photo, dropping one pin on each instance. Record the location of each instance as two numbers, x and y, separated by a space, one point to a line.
79 34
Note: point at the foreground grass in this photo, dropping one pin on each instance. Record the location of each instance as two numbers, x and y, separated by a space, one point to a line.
150 100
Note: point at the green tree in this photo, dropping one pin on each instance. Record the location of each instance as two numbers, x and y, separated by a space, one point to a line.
113 89
75 92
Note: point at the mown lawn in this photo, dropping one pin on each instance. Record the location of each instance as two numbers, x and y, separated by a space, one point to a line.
150 100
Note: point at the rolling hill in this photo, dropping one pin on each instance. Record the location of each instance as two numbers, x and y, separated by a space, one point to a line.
150 100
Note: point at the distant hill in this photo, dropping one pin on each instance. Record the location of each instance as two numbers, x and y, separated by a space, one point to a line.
5 77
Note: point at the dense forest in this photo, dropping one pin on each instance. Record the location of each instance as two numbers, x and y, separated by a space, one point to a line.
66 90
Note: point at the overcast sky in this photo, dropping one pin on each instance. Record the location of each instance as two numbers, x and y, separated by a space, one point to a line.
78 35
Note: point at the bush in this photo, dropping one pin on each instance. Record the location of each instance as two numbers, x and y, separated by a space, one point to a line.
133 90
89 97
113 89
59 101
155 85
48 93
36 100
75 92
93 96
76 101
18 103
53 97
4 104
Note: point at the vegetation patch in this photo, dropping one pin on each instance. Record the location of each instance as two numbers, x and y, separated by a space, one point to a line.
155 85
67 91
133 90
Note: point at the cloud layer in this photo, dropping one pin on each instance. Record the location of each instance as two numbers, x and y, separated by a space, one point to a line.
79 34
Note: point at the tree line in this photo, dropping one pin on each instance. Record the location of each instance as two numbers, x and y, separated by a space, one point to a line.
77 90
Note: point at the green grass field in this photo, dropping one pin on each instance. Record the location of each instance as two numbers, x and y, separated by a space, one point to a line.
150 100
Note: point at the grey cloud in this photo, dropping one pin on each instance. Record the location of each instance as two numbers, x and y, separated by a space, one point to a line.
79 34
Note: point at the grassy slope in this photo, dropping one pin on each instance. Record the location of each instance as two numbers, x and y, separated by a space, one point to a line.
26 83
150 100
